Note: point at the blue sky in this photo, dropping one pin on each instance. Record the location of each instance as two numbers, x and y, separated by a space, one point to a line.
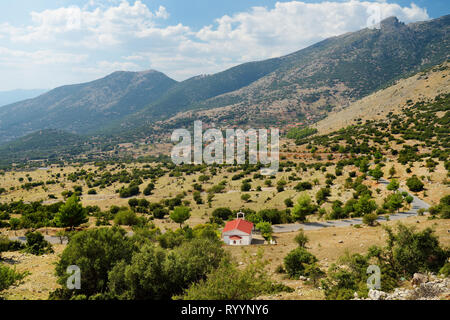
44 44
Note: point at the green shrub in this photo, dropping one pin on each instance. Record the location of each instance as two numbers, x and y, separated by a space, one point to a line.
95 252
155 273
288 202
245 187
149 188
414 184
266 229
303 208
126 218
171 239
14 223
415 251
445 270
350 275
443 208
130 191
222 213
9 276
228 282
36 244
180 214
71 214
160 213
301 239
370 219
296 261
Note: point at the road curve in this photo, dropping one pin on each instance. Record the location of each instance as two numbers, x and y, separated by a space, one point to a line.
292 227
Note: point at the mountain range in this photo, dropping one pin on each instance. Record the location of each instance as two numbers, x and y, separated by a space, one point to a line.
305 85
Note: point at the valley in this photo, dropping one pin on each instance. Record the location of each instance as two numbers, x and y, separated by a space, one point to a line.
87 179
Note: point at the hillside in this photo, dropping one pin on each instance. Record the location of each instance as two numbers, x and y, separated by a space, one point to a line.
377 106
333 73
48 144
304 86
82 108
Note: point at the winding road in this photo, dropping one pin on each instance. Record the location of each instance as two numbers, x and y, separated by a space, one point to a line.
292 227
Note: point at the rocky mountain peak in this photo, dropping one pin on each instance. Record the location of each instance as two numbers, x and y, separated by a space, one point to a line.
391 23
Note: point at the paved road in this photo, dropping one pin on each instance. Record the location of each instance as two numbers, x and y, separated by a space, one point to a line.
51 239
292 227
415 206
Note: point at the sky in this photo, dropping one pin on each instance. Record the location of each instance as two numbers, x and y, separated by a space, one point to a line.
45 44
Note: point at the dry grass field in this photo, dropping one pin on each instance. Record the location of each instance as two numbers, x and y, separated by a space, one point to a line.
326 244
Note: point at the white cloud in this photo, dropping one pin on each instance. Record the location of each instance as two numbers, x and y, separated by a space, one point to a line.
95 27
129 36
289 26
21 58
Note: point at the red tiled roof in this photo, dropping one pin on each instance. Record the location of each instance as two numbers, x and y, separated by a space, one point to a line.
235 238
239 224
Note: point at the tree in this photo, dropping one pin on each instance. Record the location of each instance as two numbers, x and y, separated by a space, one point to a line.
339 212
197 197
364 166
370 218
364 205
245 187
95 252
36 244
228 282
296 262
303 207
393 185
409 199
71 214
410 251
9 276
155 273
180 214
210 198
133 203
322 195
414 184
301 239
288 202
149 188
394 202
266 230
222 213
126 218
392 172
377 174
245 197
314 272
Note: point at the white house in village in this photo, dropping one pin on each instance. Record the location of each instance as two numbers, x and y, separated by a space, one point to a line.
238 232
